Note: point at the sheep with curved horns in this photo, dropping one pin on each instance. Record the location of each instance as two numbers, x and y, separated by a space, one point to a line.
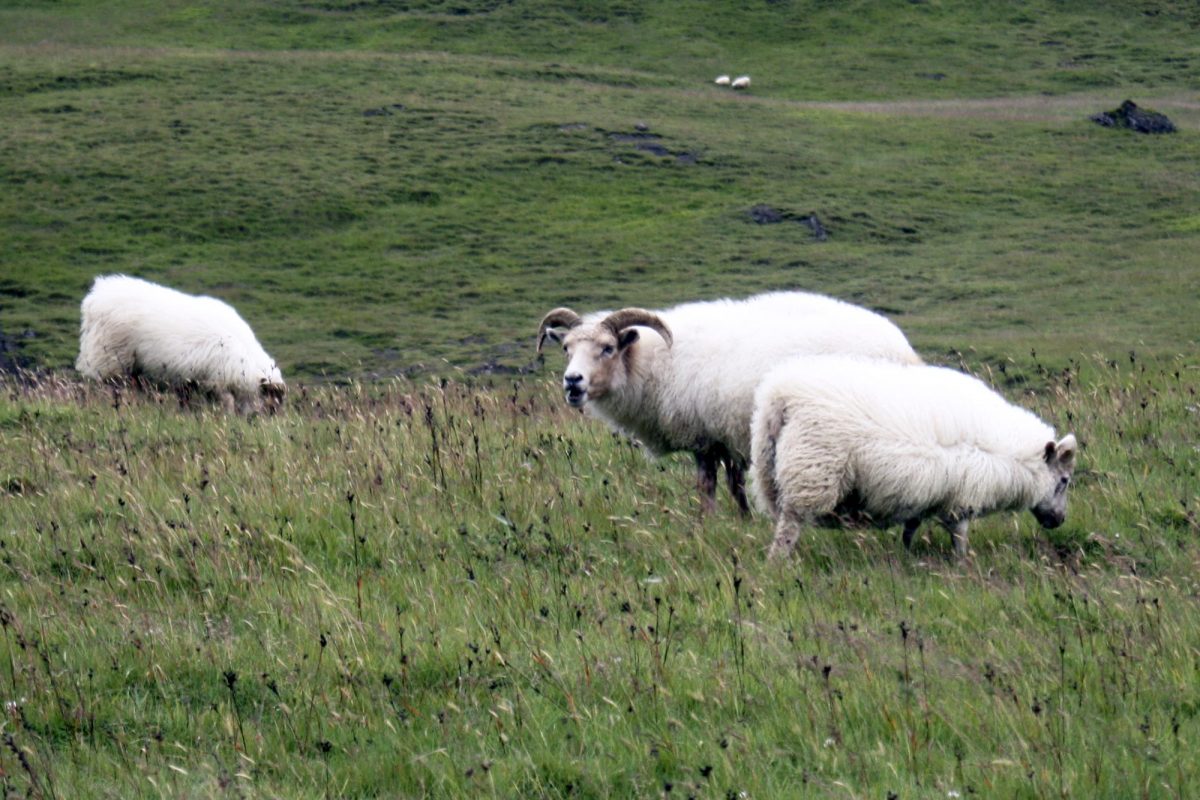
136 328
683 378
888 443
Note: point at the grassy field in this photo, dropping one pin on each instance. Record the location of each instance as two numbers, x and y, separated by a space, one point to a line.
427 576
406 589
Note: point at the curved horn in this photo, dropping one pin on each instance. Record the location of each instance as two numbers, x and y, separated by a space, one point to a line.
620 320
558 318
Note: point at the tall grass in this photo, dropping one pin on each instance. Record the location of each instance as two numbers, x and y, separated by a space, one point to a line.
456 589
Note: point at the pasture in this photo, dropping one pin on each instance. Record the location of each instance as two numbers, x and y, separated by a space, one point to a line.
428 577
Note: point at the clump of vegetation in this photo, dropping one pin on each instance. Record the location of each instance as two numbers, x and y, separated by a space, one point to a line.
458 587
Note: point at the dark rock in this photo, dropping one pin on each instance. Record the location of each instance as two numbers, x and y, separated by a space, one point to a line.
1134 118
377 112
493 367
818 230
633 137
656 149
11 359
763 214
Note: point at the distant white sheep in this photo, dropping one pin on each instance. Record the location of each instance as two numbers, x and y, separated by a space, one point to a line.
741 82
722 80
845 437
684 378
132 327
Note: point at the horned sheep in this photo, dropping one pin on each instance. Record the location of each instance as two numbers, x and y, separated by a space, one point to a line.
683 378
888 443
132 327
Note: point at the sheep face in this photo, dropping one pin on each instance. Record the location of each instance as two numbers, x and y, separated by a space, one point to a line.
1051 509
595 362
598 354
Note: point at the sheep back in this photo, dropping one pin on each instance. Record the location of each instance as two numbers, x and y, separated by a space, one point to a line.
135 327
902 441
701 389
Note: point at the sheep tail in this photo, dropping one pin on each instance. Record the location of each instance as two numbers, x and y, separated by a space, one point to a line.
766 480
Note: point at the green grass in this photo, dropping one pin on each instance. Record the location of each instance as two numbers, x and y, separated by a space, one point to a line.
405 586
409 590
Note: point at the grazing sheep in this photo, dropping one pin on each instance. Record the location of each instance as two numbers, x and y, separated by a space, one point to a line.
132 327
741 82
892 443
684 378
722 80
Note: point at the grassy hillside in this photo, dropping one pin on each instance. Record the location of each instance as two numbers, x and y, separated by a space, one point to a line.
801 50
383 190
405 590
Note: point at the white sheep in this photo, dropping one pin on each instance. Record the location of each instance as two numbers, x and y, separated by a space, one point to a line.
684 378
722 80
741 82
135 328
889 443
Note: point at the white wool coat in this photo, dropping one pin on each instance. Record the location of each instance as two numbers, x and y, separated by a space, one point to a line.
134 327
899 442
700 390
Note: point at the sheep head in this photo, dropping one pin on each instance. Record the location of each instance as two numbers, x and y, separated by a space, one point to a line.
1051 509
597 354
272 394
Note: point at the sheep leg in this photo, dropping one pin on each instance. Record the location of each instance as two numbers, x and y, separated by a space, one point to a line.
787 531
808 483
706 480
735 479
957 525
910 528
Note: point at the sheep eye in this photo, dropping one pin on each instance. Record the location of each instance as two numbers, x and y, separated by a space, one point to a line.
607 350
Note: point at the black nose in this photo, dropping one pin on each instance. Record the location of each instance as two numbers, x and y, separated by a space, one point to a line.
1050 519
572 379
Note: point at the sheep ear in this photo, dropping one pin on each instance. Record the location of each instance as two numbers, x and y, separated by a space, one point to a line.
626 338
1048 453
1064 451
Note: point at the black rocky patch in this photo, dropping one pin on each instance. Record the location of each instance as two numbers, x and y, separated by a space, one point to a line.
1130 116
763 214
11 359
383 111
644 140
639 136
655 148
